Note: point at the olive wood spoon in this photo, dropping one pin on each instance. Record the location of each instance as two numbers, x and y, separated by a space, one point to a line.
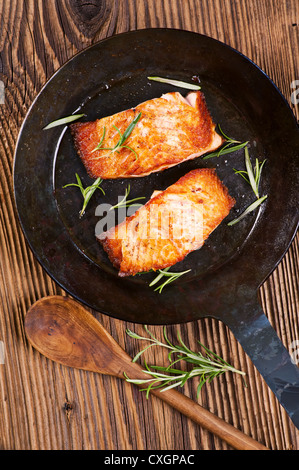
64 331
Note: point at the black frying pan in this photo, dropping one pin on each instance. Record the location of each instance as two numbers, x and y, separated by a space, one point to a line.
227 272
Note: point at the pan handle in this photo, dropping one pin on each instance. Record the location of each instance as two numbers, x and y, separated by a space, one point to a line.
263 346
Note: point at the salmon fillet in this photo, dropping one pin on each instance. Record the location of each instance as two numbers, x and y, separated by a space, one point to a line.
170 225
171 129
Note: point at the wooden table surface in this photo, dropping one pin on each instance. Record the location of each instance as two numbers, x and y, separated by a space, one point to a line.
46 406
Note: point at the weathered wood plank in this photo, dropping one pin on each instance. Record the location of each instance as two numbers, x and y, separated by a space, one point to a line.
46 406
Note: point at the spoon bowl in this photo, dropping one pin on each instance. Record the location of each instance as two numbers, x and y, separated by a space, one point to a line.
65 332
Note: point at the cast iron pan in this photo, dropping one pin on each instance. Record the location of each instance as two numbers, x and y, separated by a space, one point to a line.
226 273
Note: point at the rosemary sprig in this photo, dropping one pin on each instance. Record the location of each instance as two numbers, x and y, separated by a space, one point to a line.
253 177
178 83
206 366
86 192
171 276
122 138
63 121
231 145
99 146
249 209
126 203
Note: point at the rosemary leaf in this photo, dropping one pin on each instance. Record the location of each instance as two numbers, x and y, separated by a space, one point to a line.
258 171
243 174
231 145
160 275
86 192
125 202
253 177
63 121
250 173
122 138
207 367
249 209
229 148
129 129
178 83
170 275
101 141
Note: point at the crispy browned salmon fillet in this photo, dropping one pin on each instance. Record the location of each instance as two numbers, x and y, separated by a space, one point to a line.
170 225
171 129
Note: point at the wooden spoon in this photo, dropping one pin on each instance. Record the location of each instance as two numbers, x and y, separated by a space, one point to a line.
64 331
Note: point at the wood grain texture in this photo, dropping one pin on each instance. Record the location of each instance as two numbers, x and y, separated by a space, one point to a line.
46 406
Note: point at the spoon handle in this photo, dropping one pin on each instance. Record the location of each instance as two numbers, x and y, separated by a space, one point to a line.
185 405
231 435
